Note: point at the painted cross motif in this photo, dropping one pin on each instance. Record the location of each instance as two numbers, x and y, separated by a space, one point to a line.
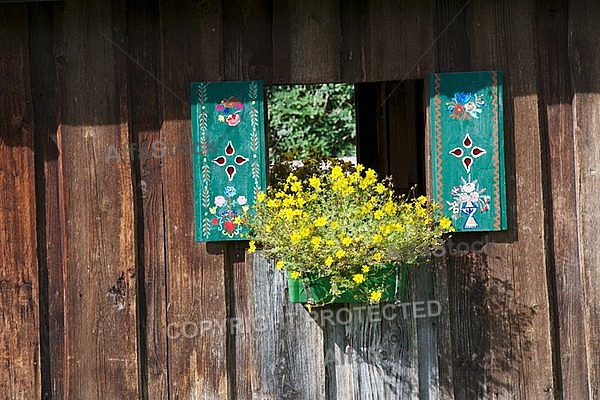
228 124
467 149
230 169
468 153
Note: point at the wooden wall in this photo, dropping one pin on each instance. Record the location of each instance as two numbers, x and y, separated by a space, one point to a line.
98 259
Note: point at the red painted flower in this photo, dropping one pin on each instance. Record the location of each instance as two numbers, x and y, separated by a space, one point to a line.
233 119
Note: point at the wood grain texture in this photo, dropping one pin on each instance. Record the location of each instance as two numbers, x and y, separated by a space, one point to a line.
518 361
400 40
247 41
556 112
306 41
50 214
238 278
197 365
20 376
371 351
145 122
585 75
287 357
99 276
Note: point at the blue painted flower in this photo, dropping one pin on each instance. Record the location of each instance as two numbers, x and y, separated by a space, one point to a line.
462 97
230 191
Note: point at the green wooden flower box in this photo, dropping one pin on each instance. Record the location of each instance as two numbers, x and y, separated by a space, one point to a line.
392 277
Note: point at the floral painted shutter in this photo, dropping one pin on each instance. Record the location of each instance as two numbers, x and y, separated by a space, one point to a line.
467 149
229 155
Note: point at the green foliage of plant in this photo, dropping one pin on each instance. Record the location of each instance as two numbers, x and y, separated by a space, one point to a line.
312 117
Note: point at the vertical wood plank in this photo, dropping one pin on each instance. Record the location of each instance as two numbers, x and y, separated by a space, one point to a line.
568 299
145 122
247 41
191 31
400 41
50 215
451 280
306 41
19 290
287 357
99 276
585 74
518 361
354 25
241 328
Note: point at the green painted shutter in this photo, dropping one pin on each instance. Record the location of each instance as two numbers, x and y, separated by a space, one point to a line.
229 155
467 149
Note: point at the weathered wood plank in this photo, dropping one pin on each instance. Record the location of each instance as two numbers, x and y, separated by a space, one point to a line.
518 360
247 41
50 215
99 275
441 279
399 43
354 27
306 41
567 301
195 271
145 122
585 74
239 286
19 286
287 358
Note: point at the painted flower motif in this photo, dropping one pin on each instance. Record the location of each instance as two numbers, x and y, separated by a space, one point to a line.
220 201
233 119
468 198
229 191
465 105
242 200
229 110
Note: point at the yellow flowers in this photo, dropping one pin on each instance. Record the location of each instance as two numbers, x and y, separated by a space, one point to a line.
328 219
369 179
337 173
316 241
252 246
296 187
295 237
321 221
315 182
328 261
376 296
445 223
390 208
